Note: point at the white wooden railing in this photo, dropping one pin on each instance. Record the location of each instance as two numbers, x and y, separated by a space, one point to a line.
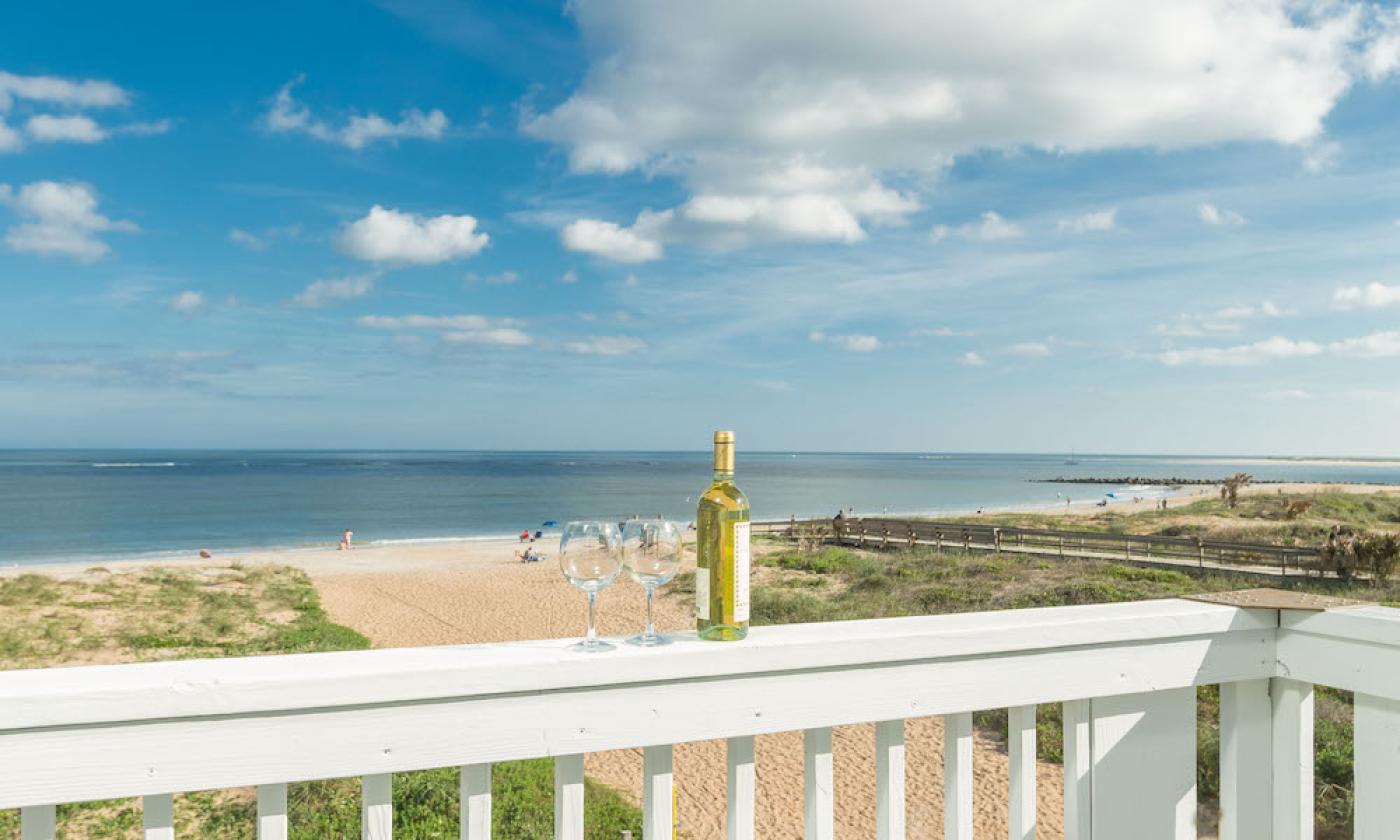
1125 673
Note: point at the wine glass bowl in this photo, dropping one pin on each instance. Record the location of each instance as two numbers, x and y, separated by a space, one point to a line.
590 559
651 552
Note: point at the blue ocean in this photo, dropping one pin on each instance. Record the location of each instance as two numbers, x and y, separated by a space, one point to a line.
104 504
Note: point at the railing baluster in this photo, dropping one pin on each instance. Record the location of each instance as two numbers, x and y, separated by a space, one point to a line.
568 797
1079 761
158 816
272 812
658 821
817 820
889 780
377 807
739 757
1020 739
1377 768
1246 763
1293 758
37 822
476 802
957 776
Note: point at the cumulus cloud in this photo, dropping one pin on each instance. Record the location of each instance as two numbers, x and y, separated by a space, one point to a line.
62 220
392 236
1097 220
989 228
971 359
1212 215
456 329
1032 349
853 342
568 277
1381 345
639 243
188 302
606 345
322 293
749 106
1378 345
940 332
287 115
1228 319
499 336
55 90
39 95
504 278
74 128
1370 296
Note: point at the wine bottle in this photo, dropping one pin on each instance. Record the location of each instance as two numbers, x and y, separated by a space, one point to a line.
722 552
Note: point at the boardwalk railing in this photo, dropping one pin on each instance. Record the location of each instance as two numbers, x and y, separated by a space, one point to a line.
1279 561
1125 674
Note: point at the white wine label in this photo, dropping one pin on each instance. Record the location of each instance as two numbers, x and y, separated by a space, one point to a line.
702 594
741 572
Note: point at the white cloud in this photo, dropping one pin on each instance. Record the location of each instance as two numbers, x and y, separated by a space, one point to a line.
1031 349
1381 345
359 131
251 241
638 243
326 292
606 345
568 277
188 302
63 220
1323 156
940 332
1225 320
854 342
499 336
989 228
1097 220
461 323
54 90
505 278
1288 394
971 359
1212 215
777 386
1242 354
1370 296
10 140
386 235
836 108
73 128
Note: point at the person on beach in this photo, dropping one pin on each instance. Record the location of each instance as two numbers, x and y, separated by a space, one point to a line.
345 540
525 535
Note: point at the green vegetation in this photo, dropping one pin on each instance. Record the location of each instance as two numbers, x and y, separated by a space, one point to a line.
832 584
103 617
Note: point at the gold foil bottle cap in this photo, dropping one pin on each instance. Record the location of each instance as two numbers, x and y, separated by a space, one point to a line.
724 452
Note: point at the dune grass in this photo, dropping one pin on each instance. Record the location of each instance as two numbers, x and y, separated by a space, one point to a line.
106 617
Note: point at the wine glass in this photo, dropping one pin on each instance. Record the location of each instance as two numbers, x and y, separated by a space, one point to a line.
651 553
589 558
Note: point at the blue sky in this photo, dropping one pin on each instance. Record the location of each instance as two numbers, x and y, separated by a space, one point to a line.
423 223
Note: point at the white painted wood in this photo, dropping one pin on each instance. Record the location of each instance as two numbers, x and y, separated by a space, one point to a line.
1079 762
262 684
1361 666
658 820
889 780
475 807
957 776
272 812
377 807
1144 767
37 822
158 816
1377 767
817 785
741 787
568 797
131 759
1021 766
1293 759
1246 761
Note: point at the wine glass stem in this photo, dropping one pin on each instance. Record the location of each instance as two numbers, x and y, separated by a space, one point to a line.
651 628
592 612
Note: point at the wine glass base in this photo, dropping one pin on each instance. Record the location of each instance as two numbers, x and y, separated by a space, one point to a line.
653 640
592 646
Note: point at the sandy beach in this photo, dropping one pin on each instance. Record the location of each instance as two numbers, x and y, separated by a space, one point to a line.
459 592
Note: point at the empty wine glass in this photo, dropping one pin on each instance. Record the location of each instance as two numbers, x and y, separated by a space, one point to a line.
651 553
589 558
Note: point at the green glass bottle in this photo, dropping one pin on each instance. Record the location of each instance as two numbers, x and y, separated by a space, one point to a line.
722 552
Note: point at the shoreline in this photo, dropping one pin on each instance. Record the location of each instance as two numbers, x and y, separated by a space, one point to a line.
428 553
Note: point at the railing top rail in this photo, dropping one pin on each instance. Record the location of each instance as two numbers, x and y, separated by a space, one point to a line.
63 697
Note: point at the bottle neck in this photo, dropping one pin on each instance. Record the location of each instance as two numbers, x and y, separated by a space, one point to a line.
724 476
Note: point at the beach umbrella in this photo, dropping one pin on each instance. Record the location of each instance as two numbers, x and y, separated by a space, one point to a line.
550 524
1111 495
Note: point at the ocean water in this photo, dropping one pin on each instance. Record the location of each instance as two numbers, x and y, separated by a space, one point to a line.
70 504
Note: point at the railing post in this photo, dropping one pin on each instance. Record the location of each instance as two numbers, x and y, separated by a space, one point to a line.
658 820
1078 765
158 817
1292 703
1376 771
475 806
1020 740
37 822
817 812
957 776
1246 761
739 814
272 812
568 797
377 807
889 780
